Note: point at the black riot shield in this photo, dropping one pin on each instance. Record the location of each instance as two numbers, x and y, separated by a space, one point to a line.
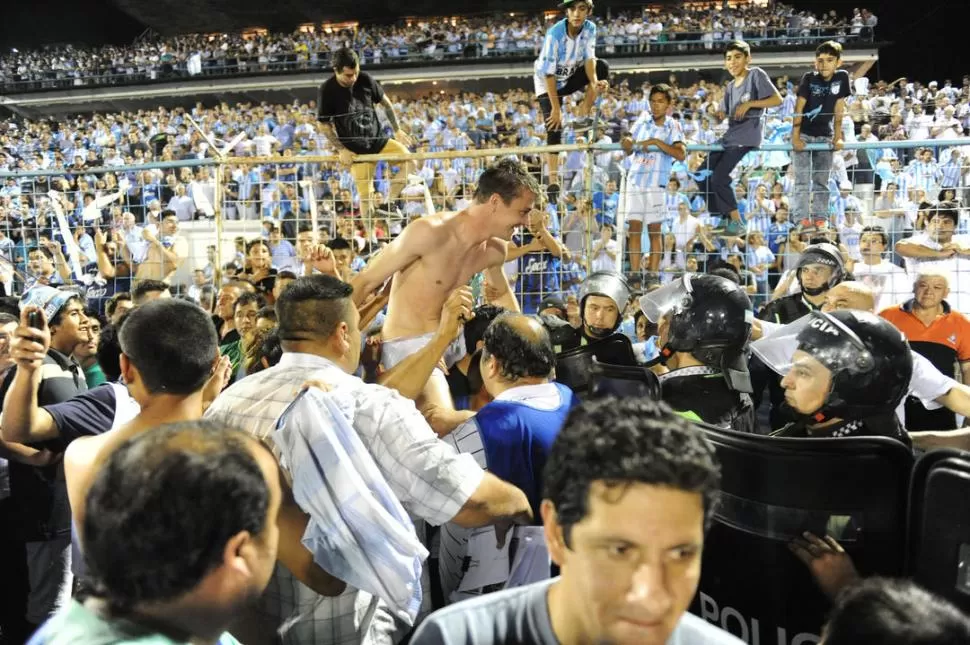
938 551
773 489
573 367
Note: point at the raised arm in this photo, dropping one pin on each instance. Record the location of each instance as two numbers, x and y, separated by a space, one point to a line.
23 419
500 291
417 239
411 375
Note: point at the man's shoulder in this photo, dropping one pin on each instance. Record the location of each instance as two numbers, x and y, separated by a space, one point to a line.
692 630
495 618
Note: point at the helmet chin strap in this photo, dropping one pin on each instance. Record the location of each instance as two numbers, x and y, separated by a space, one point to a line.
598 332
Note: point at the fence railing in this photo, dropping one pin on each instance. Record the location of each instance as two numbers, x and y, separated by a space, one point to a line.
93 223
377 56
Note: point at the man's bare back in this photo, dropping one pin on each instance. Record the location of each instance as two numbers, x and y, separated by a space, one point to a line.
434 256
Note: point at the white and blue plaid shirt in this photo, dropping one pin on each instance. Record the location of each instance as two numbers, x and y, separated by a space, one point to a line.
431 480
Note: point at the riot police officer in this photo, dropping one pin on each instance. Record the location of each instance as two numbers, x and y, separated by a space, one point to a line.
820 267
602 299
844 372
704 323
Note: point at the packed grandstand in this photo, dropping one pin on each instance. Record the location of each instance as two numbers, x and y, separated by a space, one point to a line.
447 313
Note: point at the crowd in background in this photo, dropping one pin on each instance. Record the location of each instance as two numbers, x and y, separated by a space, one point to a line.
420 40
896 186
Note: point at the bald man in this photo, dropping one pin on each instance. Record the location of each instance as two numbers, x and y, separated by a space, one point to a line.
931 387
511 436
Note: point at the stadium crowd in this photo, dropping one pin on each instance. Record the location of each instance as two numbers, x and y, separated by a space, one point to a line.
894 186
417 41
429 413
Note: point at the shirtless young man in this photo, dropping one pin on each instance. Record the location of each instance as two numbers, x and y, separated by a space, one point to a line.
166 252
437 254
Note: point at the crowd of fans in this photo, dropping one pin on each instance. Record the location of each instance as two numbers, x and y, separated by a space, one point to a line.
271 450
419 41
892 187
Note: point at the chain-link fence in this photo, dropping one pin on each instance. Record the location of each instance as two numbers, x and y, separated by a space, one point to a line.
199 223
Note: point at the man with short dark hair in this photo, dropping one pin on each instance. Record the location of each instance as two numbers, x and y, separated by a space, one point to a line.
201 498
148 290
473 332
629 489
510 437
117 306
889 283
319 332
40 517
879 610
345 110
437 254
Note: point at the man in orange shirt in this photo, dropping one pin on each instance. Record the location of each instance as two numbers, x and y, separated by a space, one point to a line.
937 332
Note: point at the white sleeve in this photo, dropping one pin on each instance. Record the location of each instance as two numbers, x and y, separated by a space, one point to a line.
928 383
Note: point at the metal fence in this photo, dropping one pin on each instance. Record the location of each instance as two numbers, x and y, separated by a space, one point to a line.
104 229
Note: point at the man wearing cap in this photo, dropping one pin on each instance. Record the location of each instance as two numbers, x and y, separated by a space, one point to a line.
567 64
42 519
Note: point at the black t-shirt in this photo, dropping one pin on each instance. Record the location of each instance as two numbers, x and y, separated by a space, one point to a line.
38 496
99 290
352 113
820 97
230 337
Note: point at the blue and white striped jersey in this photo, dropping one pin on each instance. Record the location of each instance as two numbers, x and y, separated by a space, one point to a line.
562 55
951 172
652 169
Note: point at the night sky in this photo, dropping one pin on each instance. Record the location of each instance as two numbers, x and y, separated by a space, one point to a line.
926 40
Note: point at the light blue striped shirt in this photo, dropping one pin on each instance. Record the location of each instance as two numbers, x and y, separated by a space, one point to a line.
562 55
951 171
652 169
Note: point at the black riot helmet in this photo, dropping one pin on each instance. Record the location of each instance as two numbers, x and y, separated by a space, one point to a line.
827 255
868 358
709 317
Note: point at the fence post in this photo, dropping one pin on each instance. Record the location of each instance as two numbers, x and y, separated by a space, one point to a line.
218 215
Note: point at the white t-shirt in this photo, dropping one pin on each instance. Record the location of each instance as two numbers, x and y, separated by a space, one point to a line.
602 261
890 284
684 230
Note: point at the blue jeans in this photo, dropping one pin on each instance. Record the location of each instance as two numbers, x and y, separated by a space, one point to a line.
810 194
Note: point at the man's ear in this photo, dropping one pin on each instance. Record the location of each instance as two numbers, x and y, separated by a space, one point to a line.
128 371
555 538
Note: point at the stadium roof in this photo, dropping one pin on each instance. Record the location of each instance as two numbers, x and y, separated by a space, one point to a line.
170 17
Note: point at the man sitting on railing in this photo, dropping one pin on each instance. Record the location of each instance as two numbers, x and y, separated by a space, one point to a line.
566 65
349 121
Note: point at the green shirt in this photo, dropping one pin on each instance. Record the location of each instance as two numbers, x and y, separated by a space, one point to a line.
78 625
94 376
235 353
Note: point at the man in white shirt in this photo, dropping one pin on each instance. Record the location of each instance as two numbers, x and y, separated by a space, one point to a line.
605 250
942 248
319 329
182 204
889 283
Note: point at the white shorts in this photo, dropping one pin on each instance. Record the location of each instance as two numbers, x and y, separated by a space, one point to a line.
643 205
